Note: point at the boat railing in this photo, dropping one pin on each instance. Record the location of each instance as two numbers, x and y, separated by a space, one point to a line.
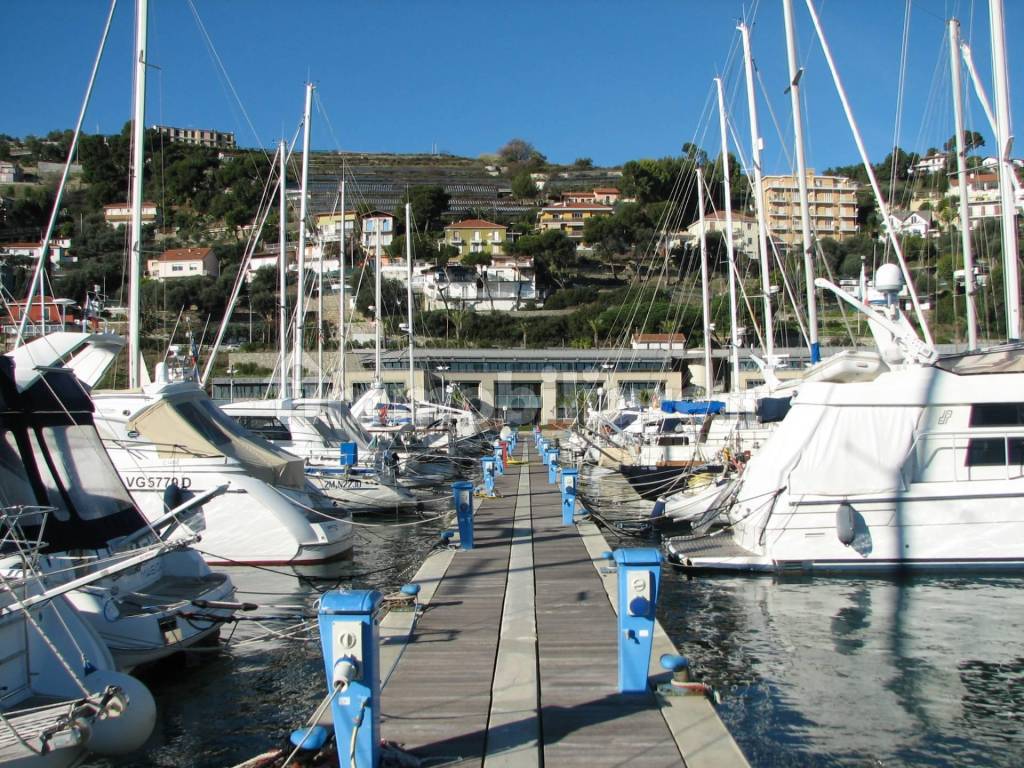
945 455
13 540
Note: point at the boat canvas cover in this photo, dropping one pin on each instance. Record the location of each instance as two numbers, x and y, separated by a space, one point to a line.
853 449
195 426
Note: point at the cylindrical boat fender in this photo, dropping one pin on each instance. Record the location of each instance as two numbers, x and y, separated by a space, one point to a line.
846 523
124 726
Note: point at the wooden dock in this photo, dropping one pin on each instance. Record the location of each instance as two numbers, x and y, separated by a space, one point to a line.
513 660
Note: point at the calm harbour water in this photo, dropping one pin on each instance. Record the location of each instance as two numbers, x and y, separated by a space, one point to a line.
813 672
859 672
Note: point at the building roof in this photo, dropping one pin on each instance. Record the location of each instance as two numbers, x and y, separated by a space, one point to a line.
606 191
21 245
378 215
184 254
111 206
475 224
973 176
577 207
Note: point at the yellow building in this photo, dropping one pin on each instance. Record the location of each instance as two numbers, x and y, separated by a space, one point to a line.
476 236
329 225
833 205
570 218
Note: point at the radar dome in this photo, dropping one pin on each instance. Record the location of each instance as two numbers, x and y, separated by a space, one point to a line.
889 279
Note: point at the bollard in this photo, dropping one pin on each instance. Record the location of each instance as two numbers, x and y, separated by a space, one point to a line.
551 455
569 480
349 637
639 577
499 464
487 468
349 454
462 495
505 450
552 471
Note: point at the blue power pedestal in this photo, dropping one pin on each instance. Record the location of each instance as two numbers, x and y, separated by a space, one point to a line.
462 496
639 578
551 460
499 463
542 449
349 637
349 454
488 471
568 483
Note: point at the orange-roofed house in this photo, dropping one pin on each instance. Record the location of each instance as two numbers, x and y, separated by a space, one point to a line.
183 262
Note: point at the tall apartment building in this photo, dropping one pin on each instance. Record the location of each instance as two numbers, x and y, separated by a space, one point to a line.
833 204
198 136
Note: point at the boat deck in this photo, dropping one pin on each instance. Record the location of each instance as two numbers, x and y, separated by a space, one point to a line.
513 661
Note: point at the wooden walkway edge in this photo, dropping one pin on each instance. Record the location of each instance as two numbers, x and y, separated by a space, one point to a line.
513 659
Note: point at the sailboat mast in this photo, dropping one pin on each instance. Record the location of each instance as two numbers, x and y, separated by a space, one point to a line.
730 248
282 268
300 296
762 226
408 300
341 295
705 299
138 161
1004 142
961 175
320 317
377 304
883 208
795 73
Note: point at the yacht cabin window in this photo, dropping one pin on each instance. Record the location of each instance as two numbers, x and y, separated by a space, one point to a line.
992 451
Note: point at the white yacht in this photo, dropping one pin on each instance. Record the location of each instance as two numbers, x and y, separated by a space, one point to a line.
302 427
170 443
75 506
922 467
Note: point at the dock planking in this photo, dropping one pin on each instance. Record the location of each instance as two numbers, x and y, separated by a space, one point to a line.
513 663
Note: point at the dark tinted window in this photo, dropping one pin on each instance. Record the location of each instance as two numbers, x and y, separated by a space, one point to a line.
991 451
997 415
266 427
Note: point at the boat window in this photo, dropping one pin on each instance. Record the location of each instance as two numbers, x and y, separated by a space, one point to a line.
991 451
81 469
15 488
266 427
623 420
197 419
997 415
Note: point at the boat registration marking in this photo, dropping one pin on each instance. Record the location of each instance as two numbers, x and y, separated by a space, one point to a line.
142 482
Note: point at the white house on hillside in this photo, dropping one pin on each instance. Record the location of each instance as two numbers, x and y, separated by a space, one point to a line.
183 262
119 214
917 223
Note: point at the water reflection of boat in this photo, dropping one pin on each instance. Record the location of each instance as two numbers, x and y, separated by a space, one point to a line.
836 671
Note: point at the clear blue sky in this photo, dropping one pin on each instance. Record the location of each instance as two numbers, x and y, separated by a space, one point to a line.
612 81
